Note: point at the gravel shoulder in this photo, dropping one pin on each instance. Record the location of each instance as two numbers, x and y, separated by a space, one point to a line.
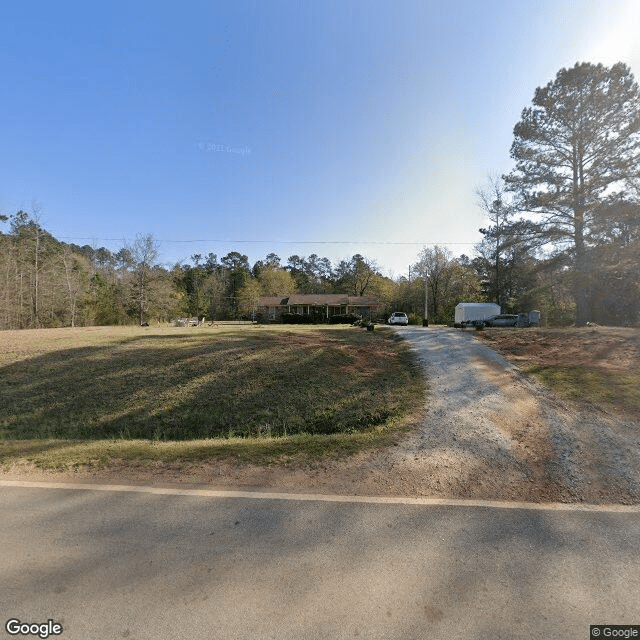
488 432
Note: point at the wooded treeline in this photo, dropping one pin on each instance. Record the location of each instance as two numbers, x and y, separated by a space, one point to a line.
48 283
45 282
563 237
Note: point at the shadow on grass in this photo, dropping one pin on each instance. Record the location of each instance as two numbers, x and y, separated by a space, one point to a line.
279 451
28 449
232 384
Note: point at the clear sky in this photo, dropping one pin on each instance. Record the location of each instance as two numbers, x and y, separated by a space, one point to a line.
329 127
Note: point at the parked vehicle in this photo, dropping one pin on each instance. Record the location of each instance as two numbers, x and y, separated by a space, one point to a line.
534 318
488 314
502 320
398 317
474 313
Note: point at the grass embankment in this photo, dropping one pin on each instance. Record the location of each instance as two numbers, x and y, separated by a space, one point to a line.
595 365
264 395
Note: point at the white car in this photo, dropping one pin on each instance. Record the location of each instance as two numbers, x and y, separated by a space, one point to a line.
397 317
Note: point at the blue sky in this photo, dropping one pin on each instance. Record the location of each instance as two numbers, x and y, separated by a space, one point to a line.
294 127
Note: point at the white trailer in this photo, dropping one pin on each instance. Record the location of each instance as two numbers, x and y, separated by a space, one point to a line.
474 313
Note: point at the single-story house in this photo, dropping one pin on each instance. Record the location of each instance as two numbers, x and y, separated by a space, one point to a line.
317 304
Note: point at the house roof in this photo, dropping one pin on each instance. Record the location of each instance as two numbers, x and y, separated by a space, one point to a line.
364 300
334 299
273 301
319 299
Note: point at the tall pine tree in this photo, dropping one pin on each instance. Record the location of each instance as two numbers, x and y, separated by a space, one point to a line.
575 149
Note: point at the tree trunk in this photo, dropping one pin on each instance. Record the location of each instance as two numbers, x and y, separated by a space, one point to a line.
581 275
581 286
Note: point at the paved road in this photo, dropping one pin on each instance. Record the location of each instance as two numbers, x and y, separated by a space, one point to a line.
129 564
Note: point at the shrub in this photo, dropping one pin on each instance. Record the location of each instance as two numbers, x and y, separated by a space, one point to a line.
297 318
344 318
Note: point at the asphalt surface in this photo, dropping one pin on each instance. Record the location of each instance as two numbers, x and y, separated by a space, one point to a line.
130 564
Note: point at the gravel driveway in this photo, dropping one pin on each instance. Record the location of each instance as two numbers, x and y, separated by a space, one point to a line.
492 432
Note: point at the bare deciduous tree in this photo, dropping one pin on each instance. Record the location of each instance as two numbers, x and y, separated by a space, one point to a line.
144 253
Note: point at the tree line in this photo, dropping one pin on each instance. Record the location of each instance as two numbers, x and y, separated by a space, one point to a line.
45 282
563 237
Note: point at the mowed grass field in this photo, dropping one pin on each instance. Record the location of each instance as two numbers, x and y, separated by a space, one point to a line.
261 394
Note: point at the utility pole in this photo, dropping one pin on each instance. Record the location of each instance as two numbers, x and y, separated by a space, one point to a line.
425 321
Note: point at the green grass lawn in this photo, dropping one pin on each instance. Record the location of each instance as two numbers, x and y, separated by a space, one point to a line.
260 394
619 392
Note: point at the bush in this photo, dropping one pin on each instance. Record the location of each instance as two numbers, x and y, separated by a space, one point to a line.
344 318
297 318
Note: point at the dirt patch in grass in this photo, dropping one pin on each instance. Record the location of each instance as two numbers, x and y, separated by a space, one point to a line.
590 365
615 349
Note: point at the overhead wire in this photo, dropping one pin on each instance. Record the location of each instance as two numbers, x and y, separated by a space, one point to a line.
231 241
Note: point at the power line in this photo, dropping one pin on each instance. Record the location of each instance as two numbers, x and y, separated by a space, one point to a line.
202 240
